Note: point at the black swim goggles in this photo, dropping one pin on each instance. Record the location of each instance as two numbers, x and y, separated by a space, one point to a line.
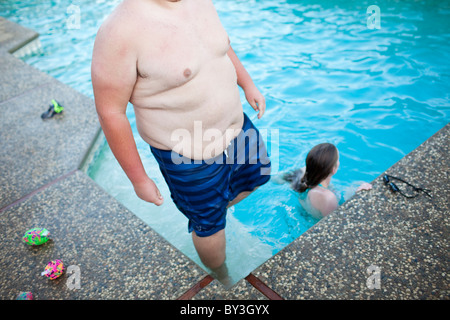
394 188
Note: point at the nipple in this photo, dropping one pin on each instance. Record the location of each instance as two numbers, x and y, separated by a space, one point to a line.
187 73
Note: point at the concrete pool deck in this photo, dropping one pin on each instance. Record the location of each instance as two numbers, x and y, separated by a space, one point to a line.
121 257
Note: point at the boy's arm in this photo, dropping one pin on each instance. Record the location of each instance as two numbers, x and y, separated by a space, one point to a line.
252 94
113 73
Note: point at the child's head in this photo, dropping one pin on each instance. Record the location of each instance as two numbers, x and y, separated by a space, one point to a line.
321 161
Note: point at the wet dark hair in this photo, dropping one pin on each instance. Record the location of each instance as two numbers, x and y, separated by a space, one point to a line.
320 162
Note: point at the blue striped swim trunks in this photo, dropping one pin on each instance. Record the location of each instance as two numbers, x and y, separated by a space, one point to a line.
202 189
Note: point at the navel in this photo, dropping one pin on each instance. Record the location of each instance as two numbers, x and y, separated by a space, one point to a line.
187 73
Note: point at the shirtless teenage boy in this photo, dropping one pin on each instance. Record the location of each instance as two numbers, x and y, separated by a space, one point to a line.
173 61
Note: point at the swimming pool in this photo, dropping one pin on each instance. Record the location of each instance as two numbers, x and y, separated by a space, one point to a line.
375 93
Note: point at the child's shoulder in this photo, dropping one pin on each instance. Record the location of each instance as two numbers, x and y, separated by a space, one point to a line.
322 194
323 199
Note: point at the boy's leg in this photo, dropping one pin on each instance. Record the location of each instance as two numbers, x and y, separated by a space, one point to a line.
241 196
211 249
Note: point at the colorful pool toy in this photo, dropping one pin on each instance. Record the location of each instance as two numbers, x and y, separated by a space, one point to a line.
54 108
25 296
36 236
54 269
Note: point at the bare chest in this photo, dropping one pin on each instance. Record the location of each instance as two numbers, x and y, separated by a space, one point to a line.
173 50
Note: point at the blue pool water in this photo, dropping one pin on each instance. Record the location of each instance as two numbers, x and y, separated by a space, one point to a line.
375 93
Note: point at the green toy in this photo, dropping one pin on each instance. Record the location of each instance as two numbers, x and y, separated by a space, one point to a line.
55 108
36 236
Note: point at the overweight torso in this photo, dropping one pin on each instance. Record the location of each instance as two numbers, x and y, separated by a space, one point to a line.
185 97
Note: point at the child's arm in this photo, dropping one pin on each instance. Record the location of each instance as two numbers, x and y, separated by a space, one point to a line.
252 94
113 73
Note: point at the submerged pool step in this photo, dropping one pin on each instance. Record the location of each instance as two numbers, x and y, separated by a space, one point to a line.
18 40
32 47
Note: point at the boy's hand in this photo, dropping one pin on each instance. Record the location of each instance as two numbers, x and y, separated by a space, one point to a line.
256 100
148 191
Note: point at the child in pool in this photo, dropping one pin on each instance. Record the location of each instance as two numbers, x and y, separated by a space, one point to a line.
313 182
